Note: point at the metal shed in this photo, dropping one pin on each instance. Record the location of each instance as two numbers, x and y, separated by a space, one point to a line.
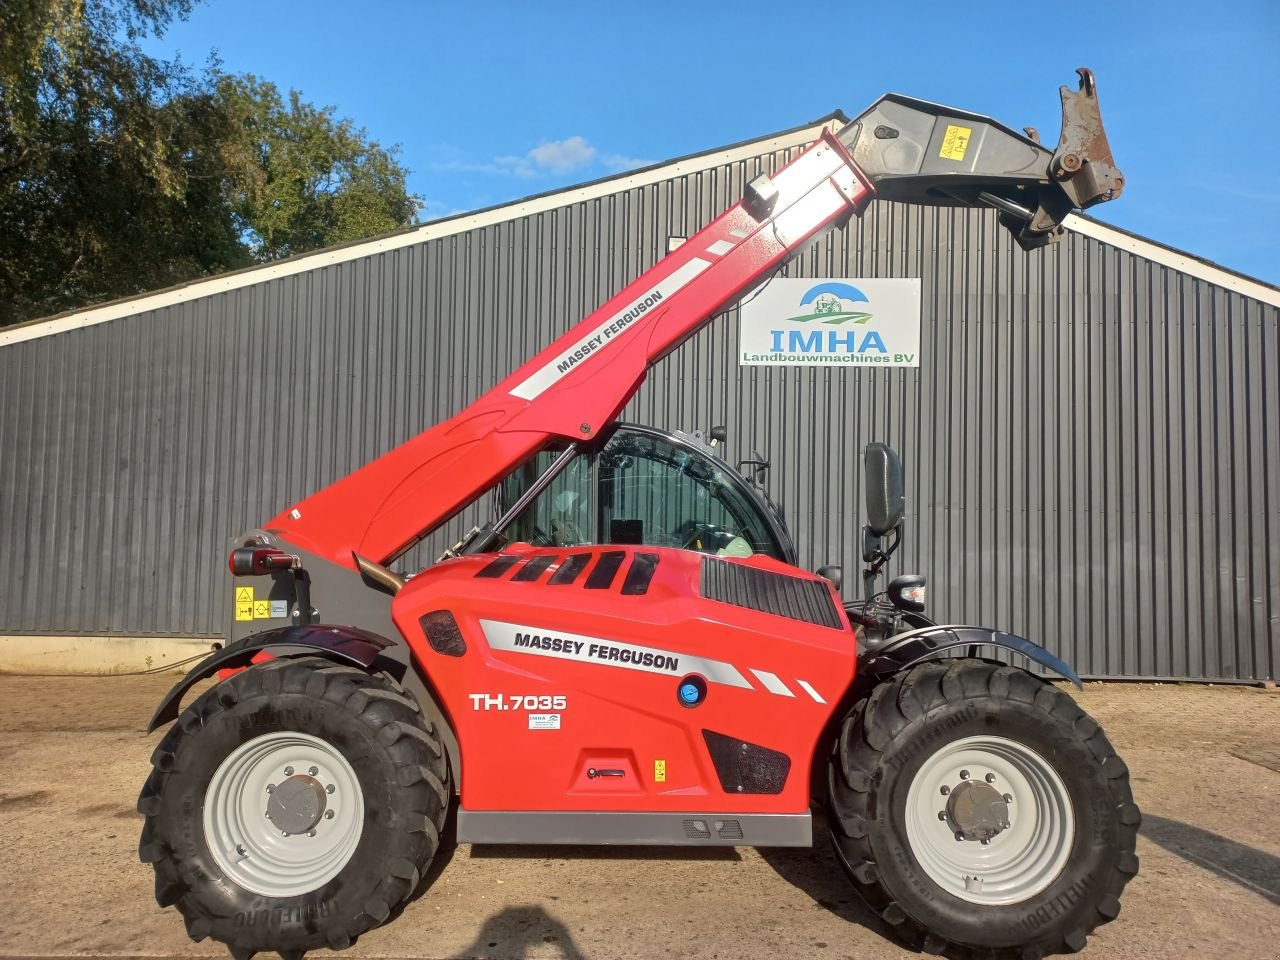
1092 440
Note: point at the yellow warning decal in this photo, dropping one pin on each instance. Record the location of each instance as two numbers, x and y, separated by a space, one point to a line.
262 609
659 771
244 603
955 142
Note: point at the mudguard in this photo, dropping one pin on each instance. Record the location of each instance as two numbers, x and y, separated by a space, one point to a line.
347 644
907 649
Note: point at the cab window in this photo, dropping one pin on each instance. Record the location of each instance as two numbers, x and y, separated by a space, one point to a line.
641 489
561 515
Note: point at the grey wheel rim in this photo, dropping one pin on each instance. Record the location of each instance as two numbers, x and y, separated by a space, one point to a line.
283 814
1018 841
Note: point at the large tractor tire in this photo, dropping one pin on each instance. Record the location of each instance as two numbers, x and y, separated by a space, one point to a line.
293 806
980 812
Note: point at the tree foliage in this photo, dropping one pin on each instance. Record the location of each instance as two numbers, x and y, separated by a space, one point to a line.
308 179
121 172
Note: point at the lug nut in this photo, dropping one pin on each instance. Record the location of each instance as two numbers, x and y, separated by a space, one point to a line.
328 814
314 770
329 789
990 778
942 814
270 787
964 774
945 791
311 833
240 849
985 842
1008 798
284 833
959 835
288 771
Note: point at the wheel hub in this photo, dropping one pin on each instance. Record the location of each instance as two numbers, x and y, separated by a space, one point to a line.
977 811
297 804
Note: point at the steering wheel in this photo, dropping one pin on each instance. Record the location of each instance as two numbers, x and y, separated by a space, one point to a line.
693 536
691 531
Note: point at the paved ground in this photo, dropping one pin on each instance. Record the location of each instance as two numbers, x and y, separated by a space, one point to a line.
72 755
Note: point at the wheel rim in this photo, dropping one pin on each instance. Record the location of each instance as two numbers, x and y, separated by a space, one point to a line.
318 799
1028 831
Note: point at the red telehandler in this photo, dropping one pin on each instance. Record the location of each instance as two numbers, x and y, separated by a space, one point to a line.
627 653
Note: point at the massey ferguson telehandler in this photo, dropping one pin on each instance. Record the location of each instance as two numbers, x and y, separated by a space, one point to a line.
626 653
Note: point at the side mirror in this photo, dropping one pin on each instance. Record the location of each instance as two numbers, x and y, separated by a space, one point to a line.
886 499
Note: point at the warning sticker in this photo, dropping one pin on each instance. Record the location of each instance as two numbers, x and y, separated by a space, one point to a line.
955 141
244 603
544 721
262 609
279 609
659 771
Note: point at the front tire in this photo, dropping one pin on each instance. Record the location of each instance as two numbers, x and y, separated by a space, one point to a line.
293 806
979 811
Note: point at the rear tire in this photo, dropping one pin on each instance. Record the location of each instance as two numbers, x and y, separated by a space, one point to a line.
359 780
950 753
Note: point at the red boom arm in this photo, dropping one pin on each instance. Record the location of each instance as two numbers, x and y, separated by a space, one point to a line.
581 382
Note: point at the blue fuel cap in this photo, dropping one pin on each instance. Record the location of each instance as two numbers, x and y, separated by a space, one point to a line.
692 691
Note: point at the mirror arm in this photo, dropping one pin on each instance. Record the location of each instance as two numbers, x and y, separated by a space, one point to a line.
876 556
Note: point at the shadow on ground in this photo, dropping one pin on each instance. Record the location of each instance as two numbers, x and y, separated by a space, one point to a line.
1252 869
817 873
515 932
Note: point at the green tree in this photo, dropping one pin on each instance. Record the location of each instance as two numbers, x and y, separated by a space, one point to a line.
308 179
122 173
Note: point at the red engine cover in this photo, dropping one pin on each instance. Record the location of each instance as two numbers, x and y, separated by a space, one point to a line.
573 663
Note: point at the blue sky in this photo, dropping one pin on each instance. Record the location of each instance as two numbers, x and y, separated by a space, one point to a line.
499 100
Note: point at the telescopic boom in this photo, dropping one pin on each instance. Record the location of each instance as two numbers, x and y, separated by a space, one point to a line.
899 149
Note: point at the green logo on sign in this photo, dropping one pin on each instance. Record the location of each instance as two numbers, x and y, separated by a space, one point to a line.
833 303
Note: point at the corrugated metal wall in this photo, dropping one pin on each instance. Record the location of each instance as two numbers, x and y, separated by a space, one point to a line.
1092 441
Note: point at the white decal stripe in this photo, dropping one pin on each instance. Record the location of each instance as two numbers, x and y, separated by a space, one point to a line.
738 232
541 379
810 691
772 683
720 248
608 653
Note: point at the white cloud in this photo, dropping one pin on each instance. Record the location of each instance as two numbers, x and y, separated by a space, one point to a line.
554 156
561 156
618 163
